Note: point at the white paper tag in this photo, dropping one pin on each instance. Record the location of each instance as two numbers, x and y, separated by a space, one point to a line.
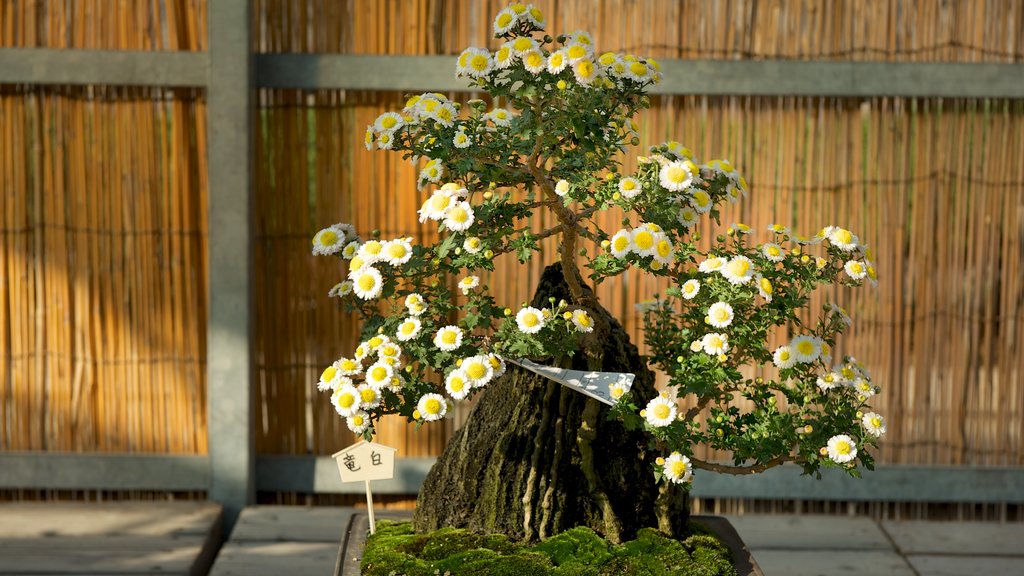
597 385
366 461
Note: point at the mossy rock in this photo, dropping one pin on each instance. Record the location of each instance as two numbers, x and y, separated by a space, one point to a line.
396 549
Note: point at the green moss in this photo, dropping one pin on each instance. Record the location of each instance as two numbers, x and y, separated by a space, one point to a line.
396 549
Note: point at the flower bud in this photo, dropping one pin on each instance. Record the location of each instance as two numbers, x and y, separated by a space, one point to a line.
561 85
508 311
488 195
489 253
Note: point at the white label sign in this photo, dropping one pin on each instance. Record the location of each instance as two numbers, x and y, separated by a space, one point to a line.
366 461
597 385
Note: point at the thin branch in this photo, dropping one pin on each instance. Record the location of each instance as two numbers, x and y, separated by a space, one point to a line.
741 470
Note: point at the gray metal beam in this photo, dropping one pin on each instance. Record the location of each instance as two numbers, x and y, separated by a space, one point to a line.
710 77
230 96
319 475
110 67
62 471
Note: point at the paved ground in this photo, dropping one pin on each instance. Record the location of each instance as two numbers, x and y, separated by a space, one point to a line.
180 538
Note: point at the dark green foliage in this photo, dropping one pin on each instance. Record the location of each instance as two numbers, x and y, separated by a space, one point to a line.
396 549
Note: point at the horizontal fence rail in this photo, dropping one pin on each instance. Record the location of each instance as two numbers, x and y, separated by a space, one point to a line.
319 475
435 73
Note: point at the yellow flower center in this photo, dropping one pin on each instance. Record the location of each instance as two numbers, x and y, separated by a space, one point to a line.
458 214
456 384
576 51
504 19
388 122
535 60
329 374
784 355
721 314
407 328
478 62
328 238
621 243
774 251
843 447
449 337
676 174
357 421
348 365
367 282
628 185
715 341
346 400
678 468
530 320
368 394
661 411
584 320
805 347
397 250
556 60
537 15
857 268
766 286
664 248
432 406
739 267
585 69
379 373
644 240
373 247
476 370
522 44
638 69
842 236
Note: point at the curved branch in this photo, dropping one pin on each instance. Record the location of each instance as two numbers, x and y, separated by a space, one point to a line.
741 470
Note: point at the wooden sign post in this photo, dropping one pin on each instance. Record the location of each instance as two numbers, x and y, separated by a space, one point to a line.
365 461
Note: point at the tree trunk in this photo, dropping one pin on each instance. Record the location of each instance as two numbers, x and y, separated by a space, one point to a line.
536 458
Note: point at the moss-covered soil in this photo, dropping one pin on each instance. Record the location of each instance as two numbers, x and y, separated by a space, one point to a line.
396 550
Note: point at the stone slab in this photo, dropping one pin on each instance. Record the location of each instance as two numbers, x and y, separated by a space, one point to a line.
831 563
276 558
960 538
936 565
792 532
291 524
109 538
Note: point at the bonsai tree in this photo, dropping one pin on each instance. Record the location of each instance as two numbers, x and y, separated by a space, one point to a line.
536 458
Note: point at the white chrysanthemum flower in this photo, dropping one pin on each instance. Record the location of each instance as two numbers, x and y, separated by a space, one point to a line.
397 252
461 140
675 176
368 137
436 206
415 304
456 385
690 288
378 374
874 424
448 338
778 229
388 122
505 21
829 381
764 287
432 171
530 320
719 315
371 251
664 252
855 269
739 270
328 241
773 252
629 187
585 72
409 329
562 187
500 117
367 282
472 245
677 468
504 57
660 411
362 351
715 344
478 370
396 383
842 238
329 377
642 241
369 395
468 283
377 341
358 422
459 217
432 407
497 364
620 244
345 400
688 216
557 61
577 51
534 62
341 289
639 72
696 346
805 348
535 16
700 200
350 250
523 44
712 264
863 387
385 141
349 366
582 321
618 389
841 449
783 357
390 351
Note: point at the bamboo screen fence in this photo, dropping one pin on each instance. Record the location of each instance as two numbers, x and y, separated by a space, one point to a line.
87 322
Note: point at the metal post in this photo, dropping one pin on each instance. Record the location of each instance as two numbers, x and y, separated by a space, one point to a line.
230 97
